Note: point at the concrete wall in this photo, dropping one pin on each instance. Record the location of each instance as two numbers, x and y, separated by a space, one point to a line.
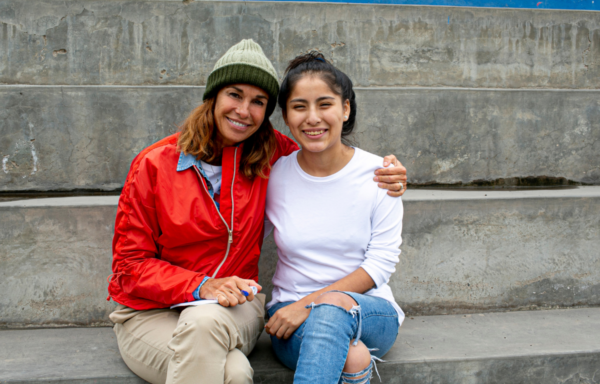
85 137
54 262
175 42
499 252
458 94
461 253
79 138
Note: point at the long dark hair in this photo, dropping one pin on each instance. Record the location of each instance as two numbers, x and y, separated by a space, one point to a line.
315 63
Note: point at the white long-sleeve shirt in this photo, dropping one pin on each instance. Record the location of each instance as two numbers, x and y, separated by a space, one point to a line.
328 227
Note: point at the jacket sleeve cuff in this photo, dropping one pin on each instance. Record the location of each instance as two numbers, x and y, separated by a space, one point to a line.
196 293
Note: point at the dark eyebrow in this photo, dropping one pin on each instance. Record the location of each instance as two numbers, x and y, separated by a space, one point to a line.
242 92
319 99
298 100
325 98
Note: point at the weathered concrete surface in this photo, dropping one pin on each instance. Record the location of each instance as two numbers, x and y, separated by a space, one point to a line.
449 136
75 355
165 42
54 262
63 138
493 252
68 138
463 252
545 347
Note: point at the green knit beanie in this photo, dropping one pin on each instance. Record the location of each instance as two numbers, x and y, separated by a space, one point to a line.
244 63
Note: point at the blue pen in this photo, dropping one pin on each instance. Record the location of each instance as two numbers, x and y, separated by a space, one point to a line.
254 290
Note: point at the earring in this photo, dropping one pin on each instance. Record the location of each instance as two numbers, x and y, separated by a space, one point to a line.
345 117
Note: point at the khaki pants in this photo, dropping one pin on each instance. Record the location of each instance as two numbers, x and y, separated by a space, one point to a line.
206 344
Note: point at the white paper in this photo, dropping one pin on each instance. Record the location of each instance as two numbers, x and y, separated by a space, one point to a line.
204 302
195 303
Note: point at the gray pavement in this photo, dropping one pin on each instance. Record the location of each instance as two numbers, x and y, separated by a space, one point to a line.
545 347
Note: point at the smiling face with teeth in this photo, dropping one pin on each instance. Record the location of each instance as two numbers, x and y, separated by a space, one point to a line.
239 112
315 115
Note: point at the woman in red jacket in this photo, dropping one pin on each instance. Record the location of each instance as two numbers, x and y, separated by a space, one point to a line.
189 226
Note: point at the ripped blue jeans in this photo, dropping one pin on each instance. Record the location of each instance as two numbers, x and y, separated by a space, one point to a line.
317 350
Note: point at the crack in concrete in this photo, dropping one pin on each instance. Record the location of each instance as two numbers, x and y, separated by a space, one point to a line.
585 52
33 151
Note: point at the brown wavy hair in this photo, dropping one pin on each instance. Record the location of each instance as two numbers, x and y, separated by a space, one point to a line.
198 137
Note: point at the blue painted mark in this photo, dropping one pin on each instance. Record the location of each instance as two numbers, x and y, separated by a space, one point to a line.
590 5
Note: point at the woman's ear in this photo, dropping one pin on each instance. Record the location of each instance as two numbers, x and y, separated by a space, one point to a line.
347 110
284 114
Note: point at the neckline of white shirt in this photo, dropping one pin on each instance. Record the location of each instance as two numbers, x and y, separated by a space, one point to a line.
214 169
324 179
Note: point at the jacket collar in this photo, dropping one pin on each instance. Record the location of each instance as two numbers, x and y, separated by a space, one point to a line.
188 161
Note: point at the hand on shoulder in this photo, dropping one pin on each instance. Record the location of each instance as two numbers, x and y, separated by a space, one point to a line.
392 177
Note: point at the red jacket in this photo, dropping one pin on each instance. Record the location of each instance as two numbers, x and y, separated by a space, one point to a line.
169 234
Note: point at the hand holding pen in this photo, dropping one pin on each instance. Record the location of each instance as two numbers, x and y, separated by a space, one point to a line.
230 291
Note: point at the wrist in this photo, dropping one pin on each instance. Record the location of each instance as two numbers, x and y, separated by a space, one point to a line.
199 293
304 302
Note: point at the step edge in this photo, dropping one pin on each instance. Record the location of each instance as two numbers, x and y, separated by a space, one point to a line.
410 196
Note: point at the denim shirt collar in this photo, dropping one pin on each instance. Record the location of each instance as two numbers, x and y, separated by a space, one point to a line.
188 161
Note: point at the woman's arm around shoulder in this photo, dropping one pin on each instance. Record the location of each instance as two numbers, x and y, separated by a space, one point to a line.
392 177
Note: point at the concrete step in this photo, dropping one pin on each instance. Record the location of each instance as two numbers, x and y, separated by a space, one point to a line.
463 252
165 42
545 347
444 115
69 138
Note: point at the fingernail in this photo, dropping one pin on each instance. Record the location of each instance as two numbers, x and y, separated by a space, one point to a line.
376 178
380 184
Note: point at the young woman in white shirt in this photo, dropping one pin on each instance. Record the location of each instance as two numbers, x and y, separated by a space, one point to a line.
337 234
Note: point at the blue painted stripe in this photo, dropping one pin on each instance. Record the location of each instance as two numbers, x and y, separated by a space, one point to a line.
589 5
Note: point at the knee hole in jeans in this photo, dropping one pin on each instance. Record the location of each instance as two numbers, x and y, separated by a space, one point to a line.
338 299
358 358
361 377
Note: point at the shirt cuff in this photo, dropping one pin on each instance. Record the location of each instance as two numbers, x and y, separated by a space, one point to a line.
196 293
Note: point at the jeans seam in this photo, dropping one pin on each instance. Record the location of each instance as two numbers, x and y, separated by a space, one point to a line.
379 315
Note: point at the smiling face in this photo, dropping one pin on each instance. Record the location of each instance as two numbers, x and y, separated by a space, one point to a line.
239 112
315 115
